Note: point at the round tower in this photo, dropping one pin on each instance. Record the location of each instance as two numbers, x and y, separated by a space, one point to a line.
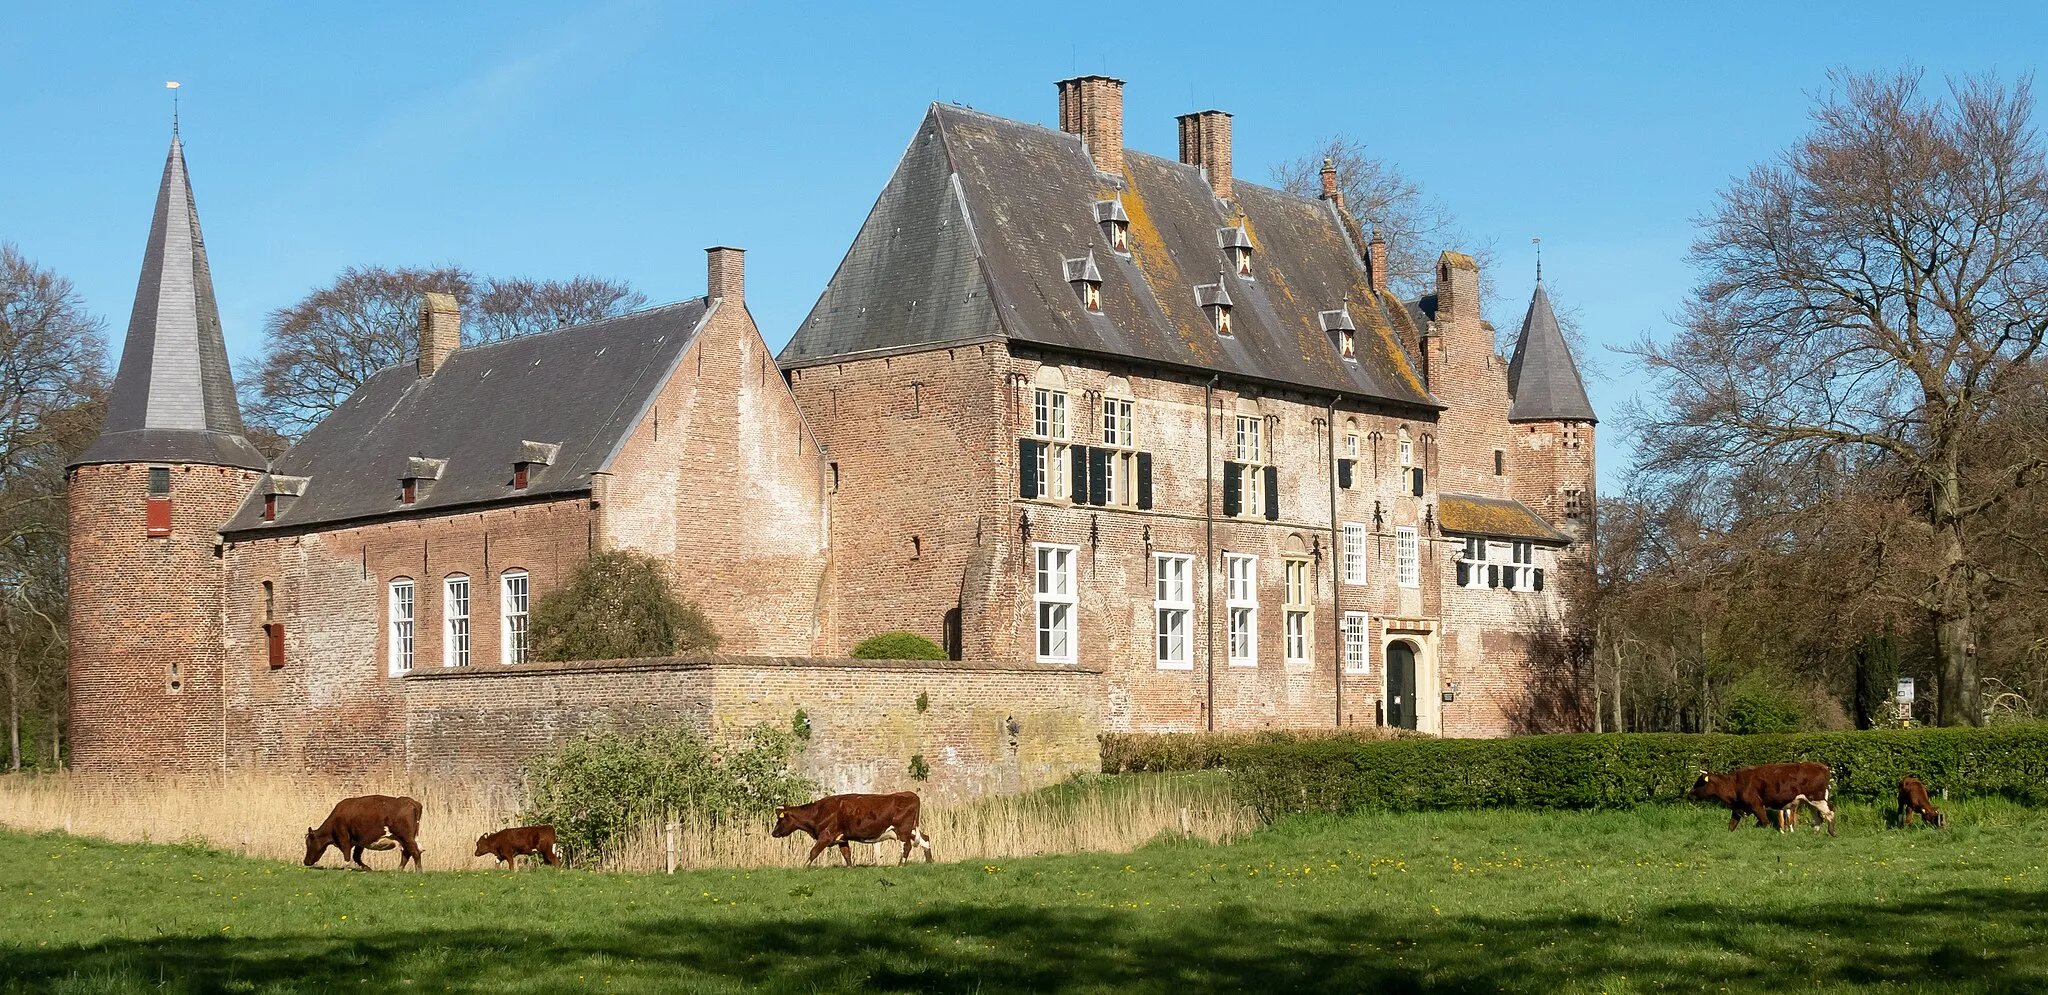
147 499
1553 421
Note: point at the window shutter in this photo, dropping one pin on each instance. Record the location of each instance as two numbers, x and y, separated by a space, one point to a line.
1418 481
1539 578
157 520
273 633
1145 481
1077 460
1027 468
1344 473
1464 573
1233 488
1098 475
1272 493
1492 576
1507 577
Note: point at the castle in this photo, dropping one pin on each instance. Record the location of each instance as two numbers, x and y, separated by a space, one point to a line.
1144 446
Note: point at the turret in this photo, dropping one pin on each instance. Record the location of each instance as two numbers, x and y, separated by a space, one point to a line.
147 500
1553 420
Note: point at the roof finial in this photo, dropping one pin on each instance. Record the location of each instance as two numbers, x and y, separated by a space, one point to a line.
1539 258
172 85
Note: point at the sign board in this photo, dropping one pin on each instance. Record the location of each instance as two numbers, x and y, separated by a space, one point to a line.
1905 689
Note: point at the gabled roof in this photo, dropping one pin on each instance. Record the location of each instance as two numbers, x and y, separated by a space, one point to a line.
487 407
1543 382
1494 518
970 237
173 399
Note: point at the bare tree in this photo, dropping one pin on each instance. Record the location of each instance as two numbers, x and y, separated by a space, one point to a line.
320 350
1416 226
1880 292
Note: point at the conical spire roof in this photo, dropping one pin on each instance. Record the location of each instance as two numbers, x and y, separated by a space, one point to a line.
173 399
1543 382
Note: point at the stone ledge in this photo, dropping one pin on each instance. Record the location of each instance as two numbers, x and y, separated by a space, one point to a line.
683 664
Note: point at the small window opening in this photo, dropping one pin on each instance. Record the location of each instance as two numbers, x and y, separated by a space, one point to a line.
174 681
269 602
1092 296
409 490
1221 315
519 475
1347 344
1500 463
835 476
159 481
1573 503
916 547
1120 236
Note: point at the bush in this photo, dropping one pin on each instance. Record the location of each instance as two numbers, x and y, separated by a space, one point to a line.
617 605
898 646
1139 752
1759 702
596 788
1622 770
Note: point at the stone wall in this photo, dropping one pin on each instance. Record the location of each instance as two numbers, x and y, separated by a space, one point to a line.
985 727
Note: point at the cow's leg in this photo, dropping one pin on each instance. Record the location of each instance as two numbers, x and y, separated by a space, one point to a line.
908 842
925 842
1735 822
824 843
846 852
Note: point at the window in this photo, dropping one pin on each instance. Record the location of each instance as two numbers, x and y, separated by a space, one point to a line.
1116 422
1406 449
1173 603
1351 446
1116 224
1347 344
1092 296
519 471
157 510
1472 564
1118 466
1241 577
1500 463
1056 603
1220 313
1407 557
1248 450
270 507
1049 423
1120 235
1573 503
273 630
512 634
1241 259
408 490
455 622
1297 609
400 612
1354 642
159 481
1524 571
1354 553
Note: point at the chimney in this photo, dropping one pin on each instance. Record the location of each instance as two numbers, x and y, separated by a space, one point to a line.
1330 191
440 331
1093 108
1375 259
1205 142
726 273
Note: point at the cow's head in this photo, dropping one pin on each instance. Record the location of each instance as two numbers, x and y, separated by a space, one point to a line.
316 844
1708 786
481 849
784 822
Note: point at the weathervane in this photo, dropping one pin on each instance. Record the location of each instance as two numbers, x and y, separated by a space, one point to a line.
172 85
1538 243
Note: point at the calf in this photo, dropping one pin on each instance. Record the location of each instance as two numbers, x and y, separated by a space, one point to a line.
837 820
1913 800
508 844
1770 792
361 823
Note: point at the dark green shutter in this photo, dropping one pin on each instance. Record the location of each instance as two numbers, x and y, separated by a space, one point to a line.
1272 494
1027 468
1418 481
1492 576
1145 481
1233 488
1344 473
1098 475
1464 573
1539 578
1077 459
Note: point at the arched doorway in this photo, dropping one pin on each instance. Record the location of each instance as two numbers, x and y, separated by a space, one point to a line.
1402 705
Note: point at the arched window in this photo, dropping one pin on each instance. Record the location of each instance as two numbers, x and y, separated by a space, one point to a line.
455 621
512 640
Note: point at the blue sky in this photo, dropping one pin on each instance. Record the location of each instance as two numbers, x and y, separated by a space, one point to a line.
622 138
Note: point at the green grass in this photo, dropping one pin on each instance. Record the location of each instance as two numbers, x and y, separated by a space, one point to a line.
1653 900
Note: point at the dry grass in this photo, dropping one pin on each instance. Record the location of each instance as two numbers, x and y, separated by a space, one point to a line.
266 816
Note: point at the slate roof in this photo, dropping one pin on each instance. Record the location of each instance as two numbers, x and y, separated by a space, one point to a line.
581 388
970 237
173 399
1543 382
1496 518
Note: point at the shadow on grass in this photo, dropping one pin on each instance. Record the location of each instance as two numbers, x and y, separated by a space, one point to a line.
978 948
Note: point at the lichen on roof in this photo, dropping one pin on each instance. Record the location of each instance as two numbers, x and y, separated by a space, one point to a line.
1459 260
1500 518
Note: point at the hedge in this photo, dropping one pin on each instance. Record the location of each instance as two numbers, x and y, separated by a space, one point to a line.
1140 752
898 645
1622 770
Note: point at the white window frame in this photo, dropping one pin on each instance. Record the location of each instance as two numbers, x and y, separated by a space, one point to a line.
1249 445
1475 574
1297 589
1357 643
1355 536
1118 422
1051 425
1407 557
1241 587
1347 345
402 624
1055 601
455 630
1524 555
1406 450
514 632
1351 446
1173 606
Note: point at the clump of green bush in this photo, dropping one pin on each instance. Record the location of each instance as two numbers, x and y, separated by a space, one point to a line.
898 645
1159 752
618 604
1622 770
596 788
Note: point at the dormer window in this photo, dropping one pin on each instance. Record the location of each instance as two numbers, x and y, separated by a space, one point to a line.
408 490
1214 300
417 470
533 456
1086 279
278 490
1339 324
1116 225
1237 249
519 475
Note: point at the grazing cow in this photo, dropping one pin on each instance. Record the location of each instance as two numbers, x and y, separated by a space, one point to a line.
837 820
1770 792
1913 799
361 823
508 844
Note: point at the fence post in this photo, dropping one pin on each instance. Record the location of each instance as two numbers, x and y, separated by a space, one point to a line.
1184 831
671 834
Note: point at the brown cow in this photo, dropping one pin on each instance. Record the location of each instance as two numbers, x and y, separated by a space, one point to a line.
508 844
360 823
837 820
1771 792
1913 799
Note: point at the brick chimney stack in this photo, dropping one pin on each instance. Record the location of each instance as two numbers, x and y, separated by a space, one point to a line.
1093 108
1330 191
726 273
440 331
1376 262
1205 142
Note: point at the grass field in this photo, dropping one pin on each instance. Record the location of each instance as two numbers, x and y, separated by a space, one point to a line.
1662 899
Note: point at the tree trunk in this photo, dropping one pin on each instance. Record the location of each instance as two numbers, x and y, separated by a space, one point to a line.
1954 602
13 713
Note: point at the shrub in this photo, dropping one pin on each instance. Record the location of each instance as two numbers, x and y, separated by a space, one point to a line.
597 787
898 645
1760 702
618 604
1621 770
1163 752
